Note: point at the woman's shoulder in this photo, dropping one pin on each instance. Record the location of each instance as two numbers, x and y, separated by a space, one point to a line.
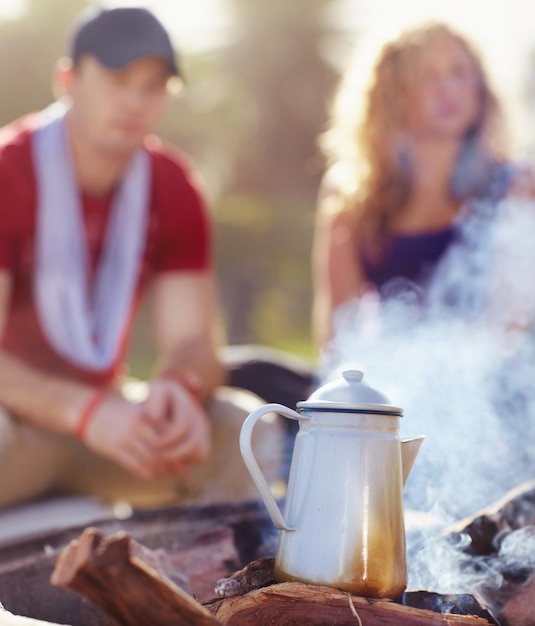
506 179
337 202
338 180
521 178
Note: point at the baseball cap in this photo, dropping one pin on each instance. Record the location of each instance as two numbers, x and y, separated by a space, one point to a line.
118 36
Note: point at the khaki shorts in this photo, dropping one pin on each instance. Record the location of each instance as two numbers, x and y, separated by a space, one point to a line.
35 462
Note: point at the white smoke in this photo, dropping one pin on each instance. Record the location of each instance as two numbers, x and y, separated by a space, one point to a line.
459 360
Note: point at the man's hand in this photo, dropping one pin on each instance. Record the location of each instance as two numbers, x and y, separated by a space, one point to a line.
181 424
120 431
161 436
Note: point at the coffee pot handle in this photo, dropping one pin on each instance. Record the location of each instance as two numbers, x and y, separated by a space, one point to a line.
251 463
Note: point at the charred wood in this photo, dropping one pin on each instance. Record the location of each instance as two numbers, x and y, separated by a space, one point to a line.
454 604
509 592
255 575
487 527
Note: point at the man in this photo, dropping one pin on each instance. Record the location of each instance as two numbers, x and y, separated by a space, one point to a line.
93 211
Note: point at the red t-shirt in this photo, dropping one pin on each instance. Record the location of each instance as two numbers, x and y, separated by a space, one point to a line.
178 238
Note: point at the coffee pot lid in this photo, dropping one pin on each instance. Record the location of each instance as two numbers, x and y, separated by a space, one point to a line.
350 393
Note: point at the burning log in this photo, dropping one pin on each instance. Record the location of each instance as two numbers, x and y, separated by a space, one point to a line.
106 571
514 511
502 538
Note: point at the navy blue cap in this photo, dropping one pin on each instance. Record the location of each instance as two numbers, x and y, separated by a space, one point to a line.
116 37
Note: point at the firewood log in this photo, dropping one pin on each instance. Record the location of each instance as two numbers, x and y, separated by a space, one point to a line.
301 604
104 571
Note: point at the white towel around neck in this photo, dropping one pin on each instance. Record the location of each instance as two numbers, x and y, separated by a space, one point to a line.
85 320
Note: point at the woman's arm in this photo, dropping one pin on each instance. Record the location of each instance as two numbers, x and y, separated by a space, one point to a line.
337 274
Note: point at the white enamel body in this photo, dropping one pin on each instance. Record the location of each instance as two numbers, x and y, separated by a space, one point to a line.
345 505
343 520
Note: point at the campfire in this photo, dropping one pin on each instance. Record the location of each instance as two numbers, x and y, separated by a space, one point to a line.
213 565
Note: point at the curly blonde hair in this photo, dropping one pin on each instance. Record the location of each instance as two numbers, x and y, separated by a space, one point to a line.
372 147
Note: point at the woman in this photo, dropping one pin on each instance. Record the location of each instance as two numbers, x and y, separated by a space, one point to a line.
428 145
415 227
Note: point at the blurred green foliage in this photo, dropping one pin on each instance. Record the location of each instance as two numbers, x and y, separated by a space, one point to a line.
249 118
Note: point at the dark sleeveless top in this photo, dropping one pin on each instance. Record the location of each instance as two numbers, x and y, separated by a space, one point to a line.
413 260
412 257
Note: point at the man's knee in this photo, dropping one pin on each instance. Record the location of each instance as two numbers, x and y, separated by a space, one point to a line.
229 409
32 460
225 477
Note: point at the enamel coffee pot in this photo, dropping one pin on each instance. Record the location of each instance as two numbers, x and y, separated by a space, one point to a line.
343 518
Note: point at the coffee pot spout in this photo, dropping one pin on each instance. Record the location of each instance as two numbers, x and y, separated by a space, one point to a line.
409 450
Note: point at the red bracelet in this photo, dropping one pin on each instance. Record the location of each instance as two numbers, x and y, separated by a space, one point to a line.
87 414
190 382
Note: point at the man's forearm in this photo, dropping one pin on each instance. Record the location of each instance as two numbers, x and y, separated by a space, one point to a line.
187 328
199 362
36 397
